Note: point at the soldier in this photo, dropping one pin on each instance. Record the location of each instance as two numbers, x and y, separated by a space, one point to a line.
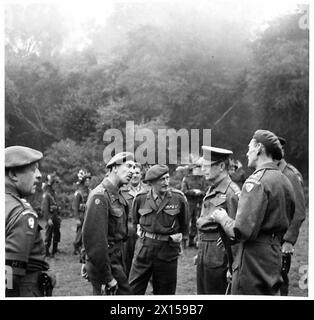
291 236
51 214
24 246
212 259
266 201
79 201
129 192
162 215
105 229
193 186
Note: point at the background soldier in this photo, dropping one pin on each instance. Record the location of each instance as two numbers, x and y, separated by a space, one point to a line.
51 213
237 173
105 229
266 201
24 246
291 236
79 204
129 192
193 186
212 260
162 214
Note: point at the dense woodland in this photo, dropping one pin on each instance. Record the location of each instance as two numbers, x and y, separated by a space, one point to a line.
161 67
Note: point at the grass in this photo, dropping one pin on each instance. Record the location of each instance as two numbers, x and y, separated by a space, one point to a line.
67 267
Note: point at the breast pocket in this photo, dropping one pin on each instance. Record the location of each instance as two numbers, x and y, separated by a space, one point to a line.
145 216
169 216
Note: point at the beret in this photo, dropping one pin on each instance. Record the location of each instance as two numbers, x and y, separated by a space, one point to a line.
212 155
155 172
119 158
270 142
17 156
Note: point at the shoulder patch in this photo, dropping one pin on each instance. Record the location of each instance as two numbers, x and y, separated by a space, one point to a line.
31 222
249 186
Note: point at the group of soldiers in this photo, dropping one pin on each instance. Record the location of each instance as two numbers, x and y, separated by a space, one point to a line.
131 229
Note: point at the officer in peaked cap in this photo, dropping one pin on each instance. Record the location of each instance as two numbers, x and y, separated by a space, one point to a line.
214 248
266 201
105 229
24 247
162 216
295 222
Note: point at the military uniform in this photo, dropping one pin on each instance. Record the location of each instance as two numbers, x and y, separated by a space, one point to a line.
129 194
50 210
295 221
79 205
104 230
188 186
156 253
266 201
212 261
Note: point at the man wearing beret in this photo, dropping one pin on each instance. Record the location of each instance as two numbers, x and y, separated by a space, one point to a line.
266 201
291 235
193 186
129 192
24 246
51 214
162 215
214 248
105 229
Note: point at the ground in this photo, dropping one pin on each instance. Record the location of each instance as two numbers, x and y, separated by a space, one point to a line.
67 267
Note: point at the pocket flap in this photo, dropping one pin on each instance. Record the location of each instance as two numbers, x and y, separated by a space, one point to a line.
117 212
172 212
144 211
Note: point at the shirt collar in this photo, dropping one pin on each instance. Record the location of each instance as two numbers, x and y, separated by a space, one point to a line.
10 188
268 165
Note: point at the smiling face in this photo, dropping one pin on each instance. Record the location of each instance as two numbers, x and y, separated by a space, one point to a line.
161 185
27 179
125 171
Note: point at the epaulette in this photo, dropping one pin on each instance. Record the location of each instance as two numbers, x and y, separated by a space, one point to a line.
255 177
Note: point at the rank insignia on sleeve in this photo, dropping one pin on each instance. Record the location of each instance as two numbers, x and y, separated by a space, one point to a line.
97 201
31 222
249 186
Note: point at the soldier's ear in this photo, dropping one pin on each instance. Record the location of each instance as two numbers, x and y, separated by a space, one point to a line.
12 175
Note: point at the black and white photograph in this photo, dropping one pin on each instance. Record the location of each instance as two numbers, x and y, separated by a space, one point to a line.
156 148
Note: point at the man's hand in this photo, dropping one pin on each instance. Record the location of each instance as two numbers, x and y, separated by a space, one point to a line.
219 215
50 223
78 222
195 260
287 248
84 272
52 277
177 237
